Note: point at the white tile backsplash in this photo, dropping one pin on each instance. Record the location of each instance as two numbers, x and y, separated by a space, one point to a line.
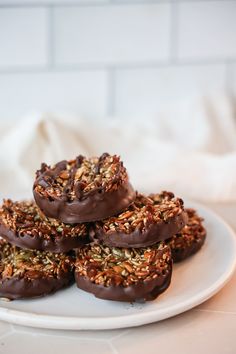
99 57
81 92
146 91
23 37
207 29
112 34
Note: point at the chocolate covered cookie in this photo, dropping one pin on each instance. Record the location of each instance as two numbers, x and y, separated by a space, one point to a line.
29 274
123 274
84 189
24 225
145 222
190 239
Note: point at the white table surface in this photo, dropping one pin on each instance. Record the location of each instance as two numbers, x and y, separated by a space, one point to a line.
209 328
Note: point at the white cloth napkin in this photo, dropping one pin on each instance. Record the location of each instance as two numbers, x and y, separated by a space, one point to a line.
189 149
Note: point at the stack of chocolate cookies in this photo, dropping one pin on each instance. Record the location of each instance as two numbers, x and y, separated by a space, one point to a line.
89 225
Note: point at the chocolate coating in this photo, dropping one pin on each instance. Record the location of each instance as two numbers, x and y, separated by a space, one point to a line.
24 225
180 254
123 274
140 238
30 273
96 206
83 190
20 288
56 245
190 239
144 290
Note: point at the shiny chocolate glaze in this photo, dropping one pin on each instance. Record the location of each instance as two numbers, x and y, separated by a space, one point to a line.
142 291
140 238
96 206
56 245
18 288
181 253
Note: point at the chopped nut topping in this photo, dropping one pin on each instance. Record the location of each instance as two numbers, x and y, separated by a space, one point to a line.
143 212
26 218
32 264
80 177
121 266
193 232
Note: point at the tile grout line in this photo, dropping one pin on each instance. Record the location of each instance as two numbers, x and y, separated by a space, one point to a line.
216 311
51 332
117 336
51 38
120 335
110 109
115 66
173 41
113 348
82 3
228 78
71 3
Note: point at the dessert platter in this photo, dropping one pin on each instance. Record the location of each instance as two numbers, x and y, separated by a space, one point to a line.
90 252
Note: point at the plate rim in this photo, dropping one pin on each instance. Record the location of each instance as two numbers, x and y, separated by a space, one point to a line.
31 319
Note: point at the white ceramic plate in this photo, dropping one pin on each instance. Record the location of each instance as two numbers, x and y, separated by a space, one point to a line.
194 281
